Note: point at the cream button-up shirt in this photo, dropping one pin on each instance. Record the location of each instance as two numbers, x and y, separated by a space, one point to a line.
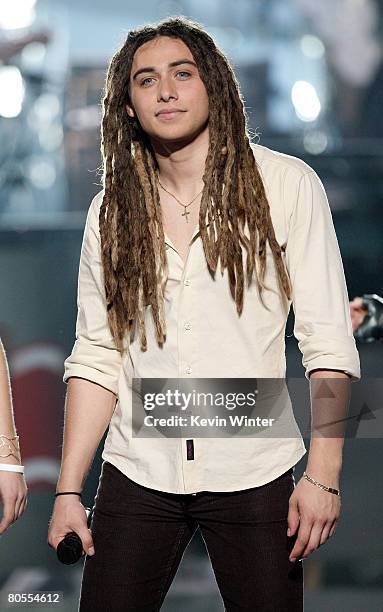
207 339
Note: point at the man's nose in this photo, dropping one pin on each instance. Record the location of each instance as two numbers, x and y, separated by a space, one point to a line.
166 89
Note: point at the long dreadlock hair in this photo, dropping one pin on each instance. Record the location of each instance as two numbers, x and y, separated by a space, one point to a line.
132 236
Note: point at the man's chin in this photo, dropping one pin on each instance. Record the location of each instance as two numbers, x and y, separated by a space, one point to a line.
179 138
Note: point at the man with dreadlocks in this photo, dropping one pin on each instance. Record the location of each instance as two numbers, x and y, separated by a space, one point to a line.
185 190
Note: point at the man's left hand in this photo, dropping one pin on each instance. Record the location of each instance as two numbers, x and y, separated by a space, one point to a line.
314 512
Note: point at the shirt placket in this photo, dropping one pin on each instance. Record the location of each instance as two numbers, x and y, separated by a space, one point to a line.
186 357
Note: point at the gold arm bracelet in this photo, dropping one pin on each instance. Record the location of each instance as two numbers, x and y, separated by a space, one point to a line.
4 444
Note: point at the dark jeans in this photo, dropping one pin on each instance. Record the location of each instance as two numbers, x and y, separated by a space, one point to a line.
140 535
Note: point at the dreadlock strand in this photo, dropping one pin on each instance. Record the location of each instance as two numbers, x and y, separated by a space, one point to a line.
152 251
163 270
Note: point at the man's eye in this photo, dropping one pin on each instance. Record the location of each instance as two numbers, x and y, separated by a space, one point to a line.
179 72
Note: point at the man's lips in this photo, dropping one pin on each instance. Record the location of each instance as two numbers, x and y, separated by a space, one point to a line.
170 111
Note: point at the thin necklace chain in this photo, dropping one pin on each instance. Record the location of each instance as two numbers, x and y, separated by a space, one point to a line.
186 212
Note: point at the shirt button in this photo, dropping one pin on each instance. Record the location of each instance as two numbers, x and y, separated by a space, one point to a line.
187 282
187 326
188 370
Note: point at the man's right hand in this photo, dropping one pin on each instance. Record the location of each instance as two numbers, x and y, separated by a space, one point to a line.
69 515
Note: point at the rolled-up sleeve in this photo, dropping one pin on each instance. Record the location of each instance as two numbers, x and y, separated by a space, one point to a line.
94 355
320 299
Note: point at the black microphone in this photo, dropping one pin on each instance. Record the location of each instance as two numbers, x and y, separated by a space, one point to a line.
69 550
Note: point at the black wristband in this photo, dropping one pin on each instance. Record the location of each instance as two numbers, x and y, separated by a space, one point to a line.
68 493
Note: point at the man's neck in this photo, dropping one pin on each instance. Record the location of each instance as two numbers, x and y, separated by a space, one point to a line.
181 167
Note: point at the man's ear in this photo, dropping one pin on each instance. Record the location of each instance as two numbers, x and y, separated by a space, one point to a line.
130 111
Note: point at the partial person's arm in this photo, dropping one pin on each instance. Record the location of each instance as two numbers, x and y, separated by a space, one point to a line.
358 312
92 372
13 488
367 317
7 420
